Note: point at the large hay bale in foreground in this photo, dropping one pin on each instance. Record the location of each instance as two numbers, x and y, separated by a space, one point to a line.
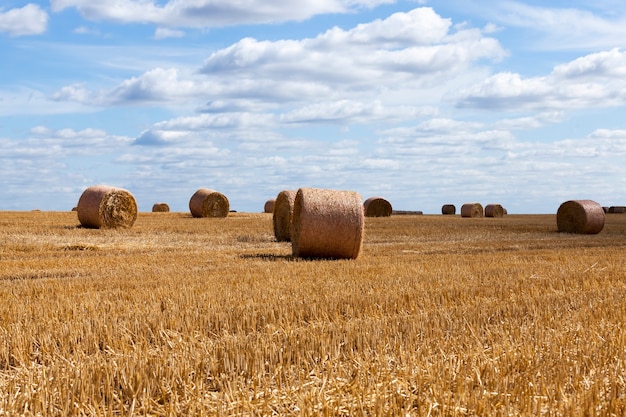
580 216
327 224
160 208
377 207
102 206
448 209
269 206
472 210
283 211
494 210
208 203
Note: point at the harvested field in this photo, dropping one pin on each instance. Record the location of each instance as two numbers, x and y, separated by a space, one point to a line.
437 316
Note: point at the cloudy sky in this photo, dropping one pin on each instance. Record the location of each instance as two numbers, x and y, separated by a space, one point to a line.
421 102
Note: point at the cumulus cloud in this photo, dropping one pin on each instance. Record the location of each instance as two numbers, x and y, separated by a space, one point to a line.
27 20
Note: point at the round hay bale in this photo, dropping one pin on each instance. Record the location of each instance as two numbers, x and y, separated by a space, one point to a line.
494 210
208 203
102 206
269 206
160 208
617 209
377 207
580 216
283 210
327 224
448 209
472 210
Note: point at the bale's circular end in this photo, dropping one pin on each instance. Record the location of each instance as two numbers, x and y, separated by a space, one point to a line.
208 203
283 210
377 207
494 210
102 206
472 210
448 209
580 216
160 208
269 206
327 224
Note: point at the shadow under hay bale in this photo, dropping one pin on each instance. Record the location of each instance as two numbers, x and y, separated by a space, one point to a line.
377 207
209 203
102 206
269 206
283 211
448 209
580 216
160 208
472 210
327 224
494 210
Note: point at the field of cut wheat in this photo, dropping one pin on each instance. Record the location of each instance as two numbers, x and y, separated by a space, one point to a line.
438 316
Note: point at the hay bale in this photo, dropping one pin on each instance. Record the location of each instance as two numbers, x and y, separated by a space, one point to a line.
494 210
283 210
377 207
208 203
327 224
472 210
580 216
102 206
160 208
269 206
448 209
617 209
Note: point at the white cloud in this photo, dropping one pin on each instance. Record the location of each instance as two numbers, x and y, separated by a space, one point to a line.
27 20
163 33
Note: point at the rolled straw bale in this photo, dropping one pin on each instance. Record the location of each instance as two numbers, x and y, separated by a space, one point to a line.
448 209
102 206
377 207
605 209
617 209
160 208
327 224
283 210
208 203
269 206
494 210
472 210
580 216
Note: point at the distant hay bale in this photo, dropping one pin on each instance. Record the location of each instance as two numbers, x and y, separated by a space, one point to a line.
407 212
102 206
283 210
617 209
580 216
209 203
269 206
472 210
327 224
494 210
160 208
448 209
377 207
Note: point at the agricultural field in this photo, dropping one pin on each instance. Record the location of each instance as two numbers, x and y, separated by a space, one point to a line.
438 316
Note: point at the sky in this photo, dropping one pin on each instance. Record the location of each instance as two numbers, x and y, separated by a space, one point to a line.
423 103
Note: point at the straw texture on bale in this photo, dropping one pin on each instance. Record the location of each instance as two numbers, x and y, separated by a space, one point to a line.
209 203
472 210
617 209
448 209
377 207
102 206
269 206
327 224
580 216
160 208
494 210
283 210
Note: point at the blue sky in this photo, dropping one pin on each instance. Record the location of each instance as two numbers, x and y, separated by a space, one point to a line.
423 103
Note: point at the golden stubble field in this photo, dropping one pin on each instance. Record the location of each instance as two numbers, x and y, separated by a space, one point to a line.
439 316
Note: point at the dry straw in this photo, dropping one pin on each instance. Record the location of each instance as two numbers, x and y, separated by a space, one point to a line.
448 209
208 203
327 224
160 208
377 207
580 216
494 210
269 206
102 206
472 210
283 210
